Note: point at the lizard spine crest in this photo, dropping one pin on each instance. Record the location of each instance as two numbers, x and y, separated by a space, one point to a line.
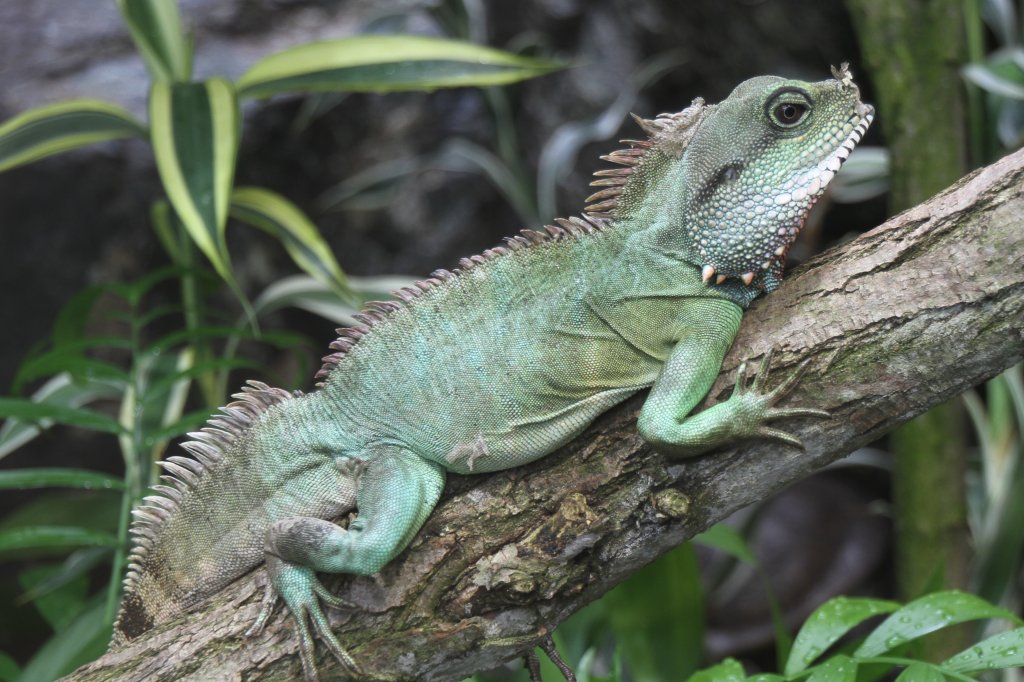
667 133
376 313
208 446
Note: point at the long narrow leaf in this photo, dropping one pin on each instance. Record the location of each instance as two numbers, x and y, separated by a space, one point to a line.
56 128
76 565
195 141
9 670
302 291
23 479
921 672
82 641
72 362
828 623
284 220
386 64
155 26
657 617
60 390
839 668
727 539
27 410
928 614
52 537
1005 650
729 670
990 80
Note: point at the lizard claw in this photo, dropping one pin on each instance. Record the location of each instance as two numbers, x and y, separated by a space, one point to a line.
303 593
761 402
533 663
790 382
267 607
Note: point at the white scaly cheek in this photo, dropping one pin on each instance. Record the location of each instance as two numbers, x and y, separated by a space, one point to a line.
813 181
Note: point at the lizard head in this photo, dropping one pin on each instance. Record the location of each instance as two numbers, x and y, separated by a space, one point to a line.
755 165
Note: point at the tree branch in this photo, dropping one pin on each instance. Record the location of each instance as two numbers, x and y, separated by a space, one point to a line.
900 319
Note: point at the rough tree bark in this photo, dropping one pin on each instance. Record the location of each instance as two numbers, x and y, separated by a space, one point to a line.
900 319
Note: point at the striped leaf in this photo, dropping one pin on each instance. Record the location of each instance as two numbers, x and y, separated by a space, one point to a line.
155 26
386 64
59 127
284 220
194 130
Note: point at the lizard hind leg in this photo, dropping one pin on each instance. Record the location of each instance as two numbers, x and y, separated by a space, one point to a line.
397 492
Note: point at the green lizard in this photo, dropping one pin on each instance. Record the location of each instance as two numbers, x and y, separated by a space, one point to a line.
503 360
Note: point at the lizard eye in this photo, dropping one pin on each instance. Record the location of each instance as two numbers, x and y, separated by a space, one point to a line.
789 113
788 108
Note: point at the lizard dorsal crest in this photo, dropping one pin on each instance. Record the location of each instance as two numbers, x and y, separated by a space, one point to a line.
208 446
668 134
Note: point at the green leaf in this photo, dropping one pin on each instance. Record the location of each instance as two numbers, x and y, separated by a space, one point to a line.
27 410
928 614
386 64
77 508
1005 650
301 291
56 128
657 617
159 387
839 668
9 670
155 26
70 360
727 539
728 670
59 390
990 80
163 224
828 623
78 563
17 540
920 672
59 607
82 641
195 140
189 422
284 220
70 325
24 479
179 336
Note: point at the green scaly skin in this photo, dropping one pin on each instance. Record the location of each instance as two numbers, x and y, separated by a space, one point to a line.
505 360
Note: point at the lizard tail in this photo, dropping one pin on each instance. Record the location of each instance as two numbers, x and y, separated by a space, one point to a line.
151 592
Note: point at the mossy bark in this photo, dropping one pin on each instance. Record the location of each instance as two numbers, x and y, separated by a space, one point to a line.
914 50
893 325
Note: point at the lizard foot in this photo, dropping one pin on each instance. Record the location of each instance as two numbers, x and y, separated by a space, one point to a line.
303 593
760 404
533 663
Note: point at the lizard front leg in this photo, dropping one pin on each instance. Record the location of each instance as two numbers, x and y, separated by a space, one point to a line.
685 379
397 492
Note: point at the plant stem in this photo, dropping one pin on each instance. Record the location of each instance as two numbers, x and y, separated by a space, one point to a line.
136 467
